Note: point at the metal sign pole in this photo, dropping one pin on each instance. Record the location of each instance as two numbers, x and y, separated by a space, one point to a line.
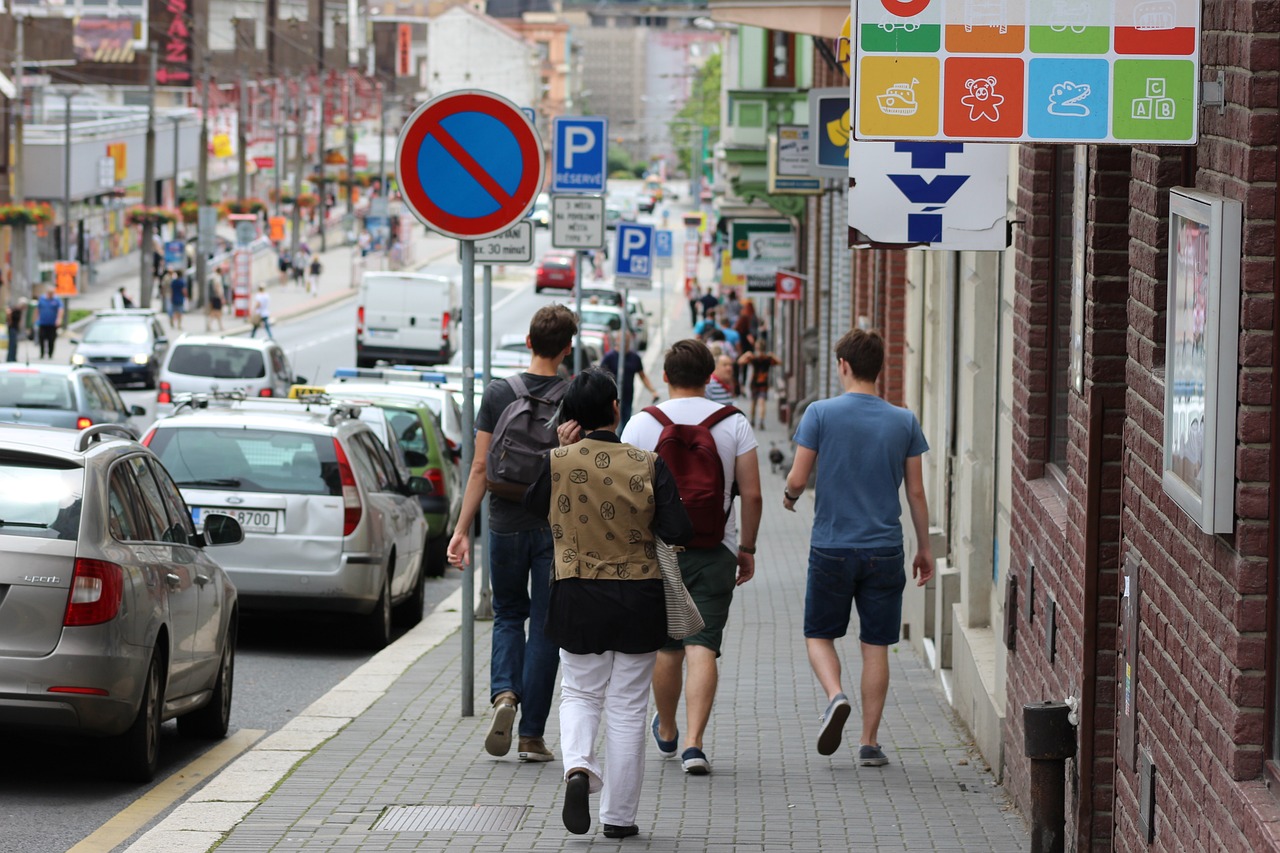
468 453
622 356
577 308
484 610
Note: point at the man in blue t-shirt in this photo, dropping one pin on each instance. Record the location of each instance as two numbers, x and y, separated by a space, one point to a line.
863 448
634 367
49 310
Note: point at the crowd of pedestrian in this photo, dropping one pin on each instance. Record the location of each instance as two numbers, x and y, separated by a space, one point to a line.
583 500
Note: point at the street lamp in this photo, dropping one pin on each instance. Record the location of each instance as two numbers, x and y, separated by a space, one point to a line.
66 174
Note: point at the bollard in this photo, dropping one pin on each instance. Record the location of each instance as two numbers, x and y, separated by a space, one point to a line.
1049 740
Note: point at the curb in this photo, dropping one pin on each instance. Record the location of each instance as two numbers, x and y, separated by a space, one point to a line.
200 822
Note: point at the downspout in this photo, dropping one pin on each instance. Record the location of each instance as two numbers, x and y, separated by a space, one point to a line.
1089 643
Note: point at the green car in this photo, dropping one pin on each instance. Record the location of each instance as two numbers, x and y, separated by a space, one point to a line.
418 429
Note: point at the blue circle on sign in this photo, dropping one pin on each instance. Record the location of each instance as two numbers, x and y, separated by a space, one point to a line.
494 151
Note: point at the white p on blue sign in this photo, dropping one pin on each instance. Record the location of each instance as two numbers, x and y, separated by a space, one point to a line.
581 154
635 251
662 243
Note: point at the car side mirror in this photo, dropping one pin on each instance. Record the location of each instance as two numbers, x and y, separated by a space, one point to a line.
137 411
455 453
162 341
415 458
299 380
74 340
222 529
421 486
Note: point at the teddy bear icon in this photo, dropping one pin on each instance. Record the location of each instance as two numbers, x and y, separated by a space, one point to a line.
983 100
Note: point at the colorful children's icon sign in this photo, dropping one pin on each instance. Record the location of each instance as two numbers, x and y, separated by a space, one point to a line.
1027 70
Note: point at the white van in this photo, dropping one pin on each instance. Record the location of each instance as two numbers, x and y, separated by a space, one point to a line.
404 318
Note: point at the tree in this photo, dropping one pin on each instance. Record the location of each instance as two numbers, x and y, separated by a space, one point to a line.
700 115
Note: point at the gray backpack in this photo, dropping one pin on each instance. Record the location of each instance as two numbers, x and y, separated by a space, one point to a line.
524 433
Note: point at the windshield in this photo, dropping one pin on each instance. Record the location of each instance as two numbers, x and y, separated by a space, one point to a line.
249 460
601 318
115 332
39 499
217 361
32 390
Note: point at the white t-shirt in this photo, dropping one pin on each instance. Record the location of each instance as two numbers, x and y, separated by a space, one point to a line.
733 437
262 304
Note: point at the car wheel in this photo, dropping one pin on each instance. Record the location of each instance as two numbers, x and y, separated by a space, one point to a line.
150 383
409 612
212 721
365 362
377 625
139 747
435 559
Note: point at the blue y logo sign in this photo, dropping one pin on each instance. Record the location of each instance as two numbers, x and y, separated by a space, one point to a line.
926 226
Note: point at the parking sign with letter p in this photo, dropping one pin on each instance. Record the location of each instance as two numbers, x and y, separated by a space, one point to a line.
580 155
635 251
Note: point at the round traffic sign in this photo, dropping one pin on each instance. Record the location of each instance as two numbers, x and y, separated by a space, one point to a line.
469 164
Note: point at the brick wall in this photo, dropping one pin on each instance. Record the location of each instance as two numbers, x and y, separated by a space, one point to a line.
880 295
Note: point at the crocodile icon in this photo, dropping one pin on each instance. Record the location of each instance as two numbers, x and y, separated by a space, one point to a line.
1065 99
899 99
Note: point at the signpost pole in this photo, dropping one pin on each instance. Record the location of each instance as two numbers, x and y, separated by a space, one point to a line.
626 345
468 453
577 308
484 610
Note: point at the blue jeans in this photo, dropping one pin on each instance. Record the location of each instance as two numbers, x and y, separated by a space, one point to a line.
872 579
520 572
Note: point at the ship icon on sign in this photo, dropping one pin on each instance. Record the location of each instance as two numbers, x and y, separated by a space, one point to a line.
899 99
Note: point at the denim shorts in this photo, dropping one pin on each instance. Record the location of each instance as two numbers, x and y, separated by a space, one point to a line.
871 578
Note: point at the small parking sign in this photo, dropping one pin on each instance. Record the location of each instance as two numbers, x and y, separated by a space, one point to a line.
635 251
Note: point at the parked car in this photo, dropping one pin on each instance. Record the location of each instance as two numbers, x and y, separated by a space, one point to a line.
647 202
541 213
607 317
125 346
404 318
59 396
639 318
556 270
405 383
114 618
602 294
330 525
202 364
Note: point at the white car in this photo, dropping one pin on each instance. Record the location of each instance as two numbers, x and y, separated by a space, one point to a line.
330 522
206 364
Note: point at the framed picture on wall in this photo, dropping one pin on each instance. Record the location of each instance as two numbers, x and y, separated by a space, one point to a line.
1201 347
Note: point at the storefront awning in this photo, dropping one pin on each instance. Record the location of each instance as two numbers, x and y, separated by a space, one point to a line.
822 19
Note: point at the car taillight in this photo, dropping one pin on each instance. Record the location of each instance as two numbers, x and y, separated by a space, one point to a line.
265 392
84 423
444 327
96 589
435 477
360 321
541 270
351 507
165 394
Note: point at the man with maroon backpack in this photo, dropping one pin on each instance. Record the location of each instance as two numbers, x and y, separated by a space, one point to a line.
710 448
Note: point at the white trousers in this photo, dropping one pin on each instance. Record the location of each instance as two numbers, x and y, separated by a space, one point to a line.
619 684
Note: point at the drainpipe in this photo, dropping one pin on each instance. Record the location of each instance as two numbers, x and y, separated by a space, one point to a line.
1049 740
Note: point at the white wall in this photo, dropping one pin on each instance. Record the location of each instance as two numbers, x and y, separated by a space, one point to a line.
469 51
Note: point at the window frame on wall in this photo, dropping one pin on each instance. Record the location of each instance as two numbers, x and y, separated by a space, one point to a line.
774 41
1062 305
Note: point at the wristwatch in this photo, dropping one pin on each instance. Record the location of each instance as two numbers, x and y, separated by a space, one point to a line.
744 549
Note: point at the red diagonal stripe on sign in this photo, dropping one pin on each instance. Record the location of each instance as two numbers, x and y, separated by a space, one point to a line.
469 163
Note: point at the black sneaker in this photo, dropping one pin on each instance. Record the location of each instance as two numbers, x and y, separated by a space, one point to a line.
695 762
833 720
577 806
611 831
871 756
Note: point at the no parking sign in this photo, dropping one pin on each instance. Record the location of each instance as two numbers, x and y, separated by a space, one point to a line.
469 164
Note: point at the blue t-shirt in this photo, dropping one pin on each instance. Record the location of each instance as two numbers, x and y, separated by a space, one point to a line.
863 444
178 287
47 311
634 366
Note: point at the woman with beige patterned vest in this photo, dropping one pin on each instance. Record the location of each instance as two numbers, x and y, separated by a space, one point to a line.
606 501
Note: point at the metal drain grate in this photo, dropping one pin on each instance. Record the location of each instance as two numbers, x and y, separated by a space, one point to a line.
477 819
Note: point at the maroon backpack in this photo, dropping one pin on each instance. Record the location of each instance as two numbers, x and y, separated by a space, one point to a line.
690 454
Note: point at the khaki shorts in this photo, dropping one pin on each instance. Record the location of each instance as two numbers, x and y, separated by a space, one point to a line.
710 575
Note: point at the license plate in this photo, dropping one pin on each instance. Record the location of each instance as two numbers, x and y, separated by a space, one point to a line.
380 334
111 369
251 520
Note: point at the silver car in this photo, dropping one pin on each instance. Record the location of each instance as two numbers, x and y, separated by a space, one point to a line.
199 364
113 618
67 397
330 522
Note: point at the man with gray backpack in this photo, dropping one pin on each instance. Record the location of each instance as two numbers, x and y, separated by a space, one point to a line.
515 427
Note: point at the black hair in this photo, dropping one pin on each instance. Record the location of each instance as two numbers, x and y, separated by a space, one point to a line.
589 399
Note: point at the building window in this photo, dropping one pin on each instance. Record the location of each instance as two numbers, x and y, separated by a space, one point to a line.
780 64
1059 360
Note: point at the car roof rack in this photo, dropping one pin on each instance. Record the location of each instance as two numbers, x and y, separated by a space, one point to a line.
398 373
97 431
201 400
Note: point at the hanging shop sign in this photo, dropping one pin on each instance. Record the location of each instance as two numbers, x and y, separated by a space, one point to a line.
788 162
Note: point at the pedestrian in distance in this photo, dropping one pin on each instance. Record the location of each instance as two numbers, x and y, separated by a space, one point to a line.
691 292
50 311
14 316
260 313
760 362
720 387
121 301
706 324
709 302
863 449
732 307
177 299
513 432
708 447
214 313
633 369
606 501
313 276
284 263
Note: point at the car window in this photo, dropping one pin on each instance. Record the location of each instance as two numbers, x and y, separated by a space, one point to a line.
117 402
407 426
249 460
217 362
179 513
153 521
384 477
122 498
95 396
279 366
39 497
27 388
115 331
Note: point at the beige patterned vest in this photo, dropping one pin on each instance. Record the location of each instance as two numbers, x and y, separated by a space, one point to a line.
602 506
